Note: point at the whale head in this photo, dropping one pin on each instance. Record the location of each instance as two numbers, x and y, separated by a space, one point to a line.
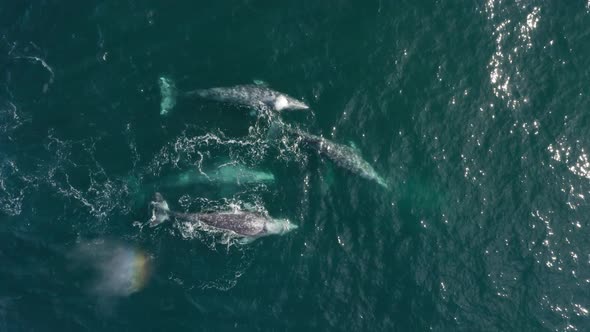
280 227
283 102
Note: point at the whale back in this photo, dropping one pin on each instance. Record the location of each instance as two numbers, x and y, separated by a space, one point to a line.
342 155
248 94
253 95
243 223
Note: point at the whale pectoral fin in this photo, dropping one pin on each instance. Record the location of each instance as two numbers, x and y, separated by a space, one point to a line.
246 240
250 207
328 178
354 147
260 82
168 94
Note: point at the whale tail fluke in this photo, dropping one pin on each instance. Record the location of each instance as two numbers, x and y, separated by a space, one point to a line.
168 94
160 210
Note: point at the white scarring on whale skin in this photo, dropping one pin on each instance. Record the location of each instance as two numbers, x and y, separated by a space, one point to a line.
342 155
254 96
247 225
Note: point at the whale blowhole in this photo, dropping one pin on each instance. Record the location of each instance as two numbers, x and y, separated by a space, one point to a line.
281 103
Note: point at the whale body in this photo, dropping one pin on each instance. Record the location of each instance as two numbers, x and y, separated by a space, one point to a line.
251 95
249 225
254 96
225 174
342 155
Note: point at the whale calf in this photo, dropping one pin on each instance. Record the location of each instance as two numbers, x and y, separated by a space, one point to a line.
248 225
248 95
342 155
226 174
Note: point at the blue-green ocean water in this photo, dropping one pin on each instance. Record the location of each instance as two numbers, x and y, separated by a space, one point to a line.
476 113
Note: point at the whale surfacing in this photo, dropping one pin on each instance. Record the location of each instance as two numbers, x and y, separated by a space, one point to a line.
248 225
254 96
342 155
251 95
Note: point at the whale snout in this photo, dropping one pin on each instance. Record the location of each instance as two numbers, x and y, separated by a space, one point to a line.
284 102
280 226
289 227
297 105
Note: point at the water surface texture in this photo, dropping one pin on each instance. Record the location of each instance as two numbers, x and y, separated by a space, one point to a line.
475 113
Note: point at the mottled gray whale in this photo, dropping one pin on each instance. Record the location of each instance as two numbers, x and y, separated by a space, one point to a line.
254 96
342 155
248 225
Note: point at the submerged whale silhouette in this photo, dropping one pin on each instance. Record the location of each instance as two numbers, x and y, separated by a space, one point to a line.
342 155
231 174
226 174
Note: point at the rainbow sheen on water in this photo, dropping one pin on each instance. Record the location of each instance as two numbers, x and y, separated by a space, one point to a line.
116 269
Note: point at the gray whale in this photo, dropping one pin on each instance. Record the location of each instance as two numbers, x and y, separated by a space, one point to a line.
249 95
342 155
245 224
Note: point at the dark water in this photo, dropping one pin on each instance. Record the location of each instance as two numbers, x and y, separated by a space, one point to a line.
476 113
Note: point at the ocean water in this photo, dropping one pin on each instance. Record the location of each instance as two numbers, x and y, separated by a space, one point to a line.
476 114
